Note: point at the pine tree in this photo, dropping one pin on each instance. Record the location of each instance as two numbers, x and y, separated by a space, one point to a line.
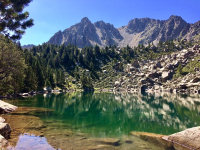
13 19
179 68
96 50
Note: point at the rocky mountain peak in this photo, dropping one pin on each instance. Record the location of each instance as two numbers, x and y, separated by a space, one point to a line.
137 25
85 20
176 19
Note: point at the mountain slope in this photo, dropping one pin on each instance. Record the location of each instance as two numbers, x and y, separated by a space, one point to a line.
137 31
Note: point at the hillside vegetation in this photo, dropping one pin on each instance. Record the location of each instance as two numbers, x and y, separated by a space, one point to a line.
69 67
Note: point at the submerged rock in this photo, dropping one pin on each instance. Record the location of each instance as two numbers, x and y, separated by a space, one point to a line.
109 141
101 147
126 139
3 141
153 138
28 110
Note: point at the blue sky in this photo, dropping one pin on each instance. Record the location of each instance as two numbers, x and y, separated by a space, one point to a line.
50 16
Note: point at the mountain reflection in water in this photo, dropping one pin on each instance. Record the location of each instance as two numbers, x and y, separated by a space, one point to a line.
114 115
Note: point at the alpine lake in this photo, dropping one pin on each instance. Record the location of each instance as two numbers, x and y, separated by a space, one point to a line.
77 120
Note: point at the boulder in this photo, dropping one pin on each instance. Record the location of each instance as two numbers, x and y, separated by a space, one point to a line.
175 64
196 79
143 87
131 69
152 75
189 85
153 47
143 81
141 75
157 87
126 139
197 91
117 83
196 47
73 81
187 139
168 67
158 64
6 108
24 94
5 130
2 120
166 75
100 147
175 91
117 66
108 141
135 64
196 69
188 54
129 86
182 86
3 141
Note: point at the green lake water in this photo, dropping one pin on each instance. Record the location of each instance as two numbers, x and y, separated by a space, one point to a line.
114 115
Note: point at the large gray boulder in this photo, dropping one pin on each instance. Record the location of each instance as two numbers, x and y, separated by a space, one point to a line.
166 75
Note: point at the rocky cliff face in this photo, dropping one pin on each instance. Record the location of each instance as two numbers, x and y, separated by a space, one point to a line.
137 31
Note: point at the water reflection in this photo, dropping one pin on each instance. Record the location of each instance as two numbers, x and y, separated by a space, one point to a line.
31 142
116 114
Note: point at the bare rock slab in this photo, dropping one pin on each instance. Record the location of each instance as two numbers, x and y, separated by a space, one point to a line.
187 139
6 108
155 139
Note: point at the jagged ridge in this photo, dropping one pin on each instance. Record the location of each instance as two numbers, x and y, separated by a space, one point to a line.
137 31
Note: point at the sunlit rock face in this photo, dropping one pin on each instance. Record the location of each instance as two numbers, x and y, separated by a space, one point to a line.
137 31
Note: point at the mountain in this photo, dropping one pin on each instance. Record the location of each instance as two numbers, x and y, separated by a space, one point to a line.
29 46
137 31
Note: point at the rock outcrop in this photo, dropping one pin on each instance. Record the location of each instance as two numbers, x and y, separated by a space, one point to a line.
187 139
6 108
137 31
